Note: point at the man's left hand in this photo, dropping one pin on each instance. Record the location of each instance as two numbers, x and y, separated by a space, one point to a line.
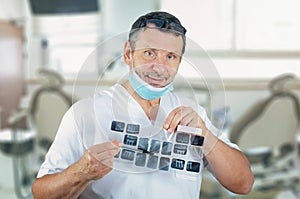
185 116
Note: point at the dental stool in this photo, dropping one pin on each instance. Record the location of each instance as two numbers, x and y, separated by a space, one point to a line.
267 135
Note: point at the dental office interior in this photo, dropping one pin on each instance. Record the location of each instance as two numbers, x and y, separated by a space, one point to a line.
242 64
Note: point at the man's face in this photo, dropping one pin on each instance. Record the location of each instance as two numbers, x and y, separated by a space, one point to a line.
156 56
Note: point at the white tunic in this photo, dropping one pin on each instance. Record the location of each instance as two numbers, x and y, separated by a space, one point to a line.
89 121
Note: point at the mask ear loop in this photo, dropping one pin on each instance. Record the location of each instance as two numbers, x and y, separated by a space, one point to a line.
131 66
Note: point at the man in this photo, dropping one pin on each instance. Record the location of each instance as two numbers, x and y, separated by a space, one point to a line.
82 160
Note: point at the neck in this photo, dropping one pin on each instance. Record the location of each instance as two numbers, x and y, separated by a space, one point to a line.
138 98
150 107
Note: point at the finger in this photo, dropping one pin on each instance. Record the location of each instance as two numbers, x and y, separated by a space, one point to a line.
169 119
104 150
175 121
105 154
99 148
194 123
182 112
175 117
108 162
116 143
187 119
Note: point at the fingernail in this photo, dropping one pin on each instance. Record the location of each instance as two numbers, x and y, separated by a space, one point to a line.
119 144
166 126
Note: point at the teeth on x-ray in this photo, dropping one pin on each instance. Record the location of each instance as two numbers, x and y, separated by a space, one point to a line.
146 147
193 166
182 138
133 128
130 140
117 126
180 149
127 154
177 164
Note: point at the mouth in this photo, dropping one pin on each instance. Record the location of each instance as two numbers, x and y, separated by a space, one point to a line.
155 79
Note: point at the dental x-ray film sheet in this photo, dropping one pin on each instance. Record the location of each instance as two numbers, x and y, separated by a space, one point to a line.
153 148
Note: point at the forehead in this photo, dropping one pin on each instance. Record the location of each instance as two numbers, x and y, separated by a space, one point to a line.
156 39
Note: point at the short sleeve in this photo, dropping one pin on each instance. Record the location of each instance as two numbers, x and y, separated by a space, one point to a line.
66 149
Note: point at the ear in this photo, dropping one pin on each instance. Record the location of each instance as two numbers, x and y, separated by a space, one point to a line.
127 54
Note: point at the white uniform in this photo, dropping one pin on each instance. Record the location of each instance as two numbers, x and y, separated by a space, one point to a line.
88 123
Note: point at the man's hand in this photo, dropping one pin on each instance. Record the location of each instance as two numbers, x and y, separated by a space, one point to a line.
98 160
185 116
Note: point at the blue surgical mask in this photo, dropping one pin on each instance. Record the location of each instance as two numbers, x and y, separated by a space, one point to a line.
145 90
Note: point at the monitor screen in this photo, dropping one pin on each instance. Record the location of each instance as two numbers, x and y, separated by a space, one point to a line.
63 6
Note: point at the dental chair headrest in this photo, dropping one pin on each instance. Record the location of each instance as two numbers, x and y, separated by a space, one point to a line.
278 89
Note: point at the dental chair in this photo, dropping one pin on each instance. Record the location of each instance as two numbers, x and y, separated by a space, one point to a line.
267 135
42 117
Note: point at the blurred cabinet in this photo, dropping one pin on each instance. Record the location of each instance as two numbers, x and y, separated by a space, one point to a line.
12 81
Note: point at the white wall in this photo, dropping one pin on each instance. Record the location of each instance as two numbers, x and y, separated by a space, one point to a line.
117 17
12 9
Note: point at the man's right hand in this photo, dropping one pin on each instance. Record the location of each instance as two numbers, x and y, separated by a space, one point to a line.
97 161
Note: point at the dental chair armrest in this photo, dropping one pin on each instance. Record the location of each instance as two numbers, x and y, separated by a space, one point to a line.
259 155
18 116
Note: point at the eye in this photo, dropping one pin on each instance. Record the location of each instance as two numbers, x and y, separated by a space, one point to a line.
149 53
171 56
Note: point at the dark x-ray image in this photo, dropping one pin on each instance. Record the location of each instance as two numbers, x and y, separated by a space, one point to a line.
180 149
130 140
197 140
143 144
164 163
152 161
133 128
177 164
155 146
193 166
127 154
182 138
117 126
140 159
166 148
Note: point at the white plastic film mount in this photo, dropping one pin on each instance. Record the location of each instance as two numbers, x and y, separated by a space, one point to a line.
189 129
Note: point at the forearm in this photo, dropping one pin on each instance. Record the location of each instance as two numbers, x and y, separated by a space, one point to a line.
68 184
95 163
230 166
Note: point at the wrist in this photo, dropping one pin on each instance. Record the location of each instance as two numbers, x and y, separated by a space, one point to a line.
205 131
80 170
210 140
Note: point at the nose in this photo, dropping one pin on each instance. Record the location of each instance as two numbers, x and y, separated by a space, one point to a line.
159 68
160 63
161 59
